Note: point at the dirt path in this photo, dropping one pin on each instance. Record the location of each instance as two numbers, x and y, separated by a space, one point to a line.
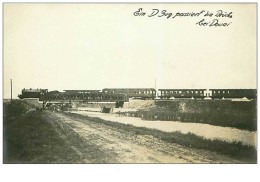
100 143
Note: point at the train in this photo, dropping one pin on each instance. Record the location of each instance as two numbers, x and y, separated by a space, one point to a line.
124 94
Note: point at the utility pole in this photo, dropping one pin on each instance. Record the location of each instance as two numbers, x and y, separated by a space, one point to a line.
155 87
155 83
11 90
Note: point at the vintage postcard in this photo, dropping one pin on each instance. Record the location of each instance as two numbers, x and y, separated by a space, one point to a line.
115 83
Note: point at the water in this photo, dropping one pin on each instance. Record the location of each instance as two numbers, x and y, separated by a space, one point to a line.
205 130
114 110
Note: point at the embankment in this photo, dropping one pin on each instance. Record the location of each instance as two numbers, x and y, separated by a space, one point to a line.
239 114
34 102
29 138
139 104
132 105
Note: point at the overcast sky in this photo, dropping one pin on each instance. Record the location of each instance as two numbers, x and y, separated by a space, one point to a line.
95 46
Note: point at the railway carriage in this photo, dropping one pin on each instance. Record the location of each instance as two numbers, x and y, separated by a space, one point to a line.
94 95
182 93
141 93
233 93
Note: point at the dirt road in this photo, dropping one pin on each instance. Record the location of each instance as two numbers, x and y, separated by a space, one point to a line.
100 143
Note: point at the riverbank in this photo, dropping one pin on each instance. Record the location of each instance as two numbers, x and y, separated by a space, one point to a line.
226 113
241 114
207 131
235 150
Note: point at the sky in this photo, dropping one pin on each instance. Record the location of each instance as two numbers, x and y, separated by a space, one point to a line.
96 46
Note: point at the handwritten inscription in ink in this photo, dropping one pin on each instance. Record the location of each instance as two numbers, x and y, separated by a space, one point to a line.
219 18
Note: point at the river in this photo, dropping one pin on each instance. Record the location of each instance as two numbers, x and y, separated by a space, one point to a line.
205 130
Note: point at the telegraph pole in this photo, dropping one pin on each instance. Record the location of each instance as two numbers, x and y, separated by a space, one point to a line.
11 90
155 87
155 83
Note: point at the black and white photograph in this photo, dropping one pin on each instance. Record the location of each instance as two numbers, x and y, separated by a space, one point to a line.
129 83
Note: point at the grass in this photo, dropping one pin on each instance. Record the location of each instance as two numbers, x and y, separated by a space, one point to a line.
235 150
241 115
29 138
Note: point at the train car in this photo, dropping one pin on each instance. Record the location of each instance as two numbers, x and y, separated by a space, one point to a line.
53 96
86 95
111 97
95 95
33 93
182 93
140 93
233 93
83 94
